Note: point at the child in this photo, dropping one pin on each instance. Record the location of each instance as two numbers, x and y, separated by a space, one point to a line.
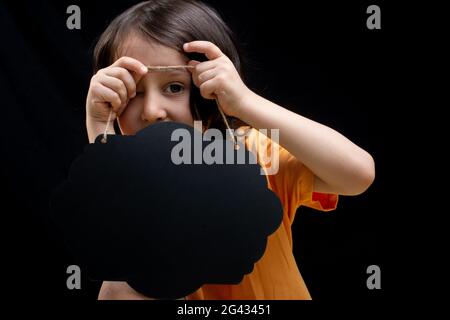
316 163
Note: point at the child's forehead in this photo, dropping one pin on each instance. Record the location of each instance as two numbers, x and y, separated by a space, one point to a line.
149 52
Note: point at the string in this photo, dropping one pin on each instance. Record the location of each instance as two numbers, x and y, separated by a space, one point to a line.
236 146
105 137
168 69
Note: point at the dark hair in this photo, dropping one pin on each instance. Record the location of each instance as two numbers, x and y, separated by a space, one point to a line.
173 23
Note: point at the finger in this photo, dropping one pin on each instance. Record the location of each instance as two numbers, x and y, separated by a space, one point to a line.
200 68
110 96
116 85
125 76
207 89
207 75
208 48
203 66
193 63
137 67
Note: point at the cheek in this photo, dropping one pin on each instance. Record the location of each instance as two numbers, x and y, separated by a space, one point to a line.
183 113
130 120
188 114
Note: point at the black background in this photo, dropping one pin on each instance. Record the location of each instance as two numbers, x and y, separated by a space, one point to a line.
319 60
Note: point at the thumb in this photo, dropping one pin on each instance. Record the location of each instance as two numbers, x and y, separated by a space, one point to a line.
193 63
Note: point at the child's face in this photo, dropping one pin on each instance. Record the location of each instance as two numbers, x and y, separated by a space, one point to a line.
160 96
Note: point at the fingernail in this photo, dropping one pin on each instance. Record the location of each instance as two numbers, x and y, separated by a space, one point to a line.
185 46
144 69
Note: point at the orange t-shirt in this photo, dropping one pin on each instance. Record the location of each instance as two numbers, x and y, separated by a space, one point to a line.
276 275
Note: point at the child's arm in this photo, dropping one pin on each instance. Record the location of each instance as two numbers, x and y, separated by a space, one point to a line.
340 166
110 87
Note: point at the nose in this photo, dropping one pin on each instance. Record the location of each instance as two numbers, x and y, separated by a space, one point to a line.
154 110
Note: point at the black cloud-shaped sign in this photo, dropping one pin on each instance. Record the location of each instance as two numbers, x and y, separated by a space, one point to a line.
128 213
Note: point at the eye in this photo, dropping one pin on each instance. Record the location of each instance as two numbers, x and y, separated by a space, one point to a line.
174 88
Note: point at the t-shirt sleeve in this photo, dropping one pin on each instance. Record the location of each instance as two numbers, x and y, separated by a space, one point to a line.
294 184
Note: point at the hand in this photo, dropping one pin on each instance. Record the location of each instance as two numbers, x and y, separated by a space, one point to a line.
217 78
113 87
